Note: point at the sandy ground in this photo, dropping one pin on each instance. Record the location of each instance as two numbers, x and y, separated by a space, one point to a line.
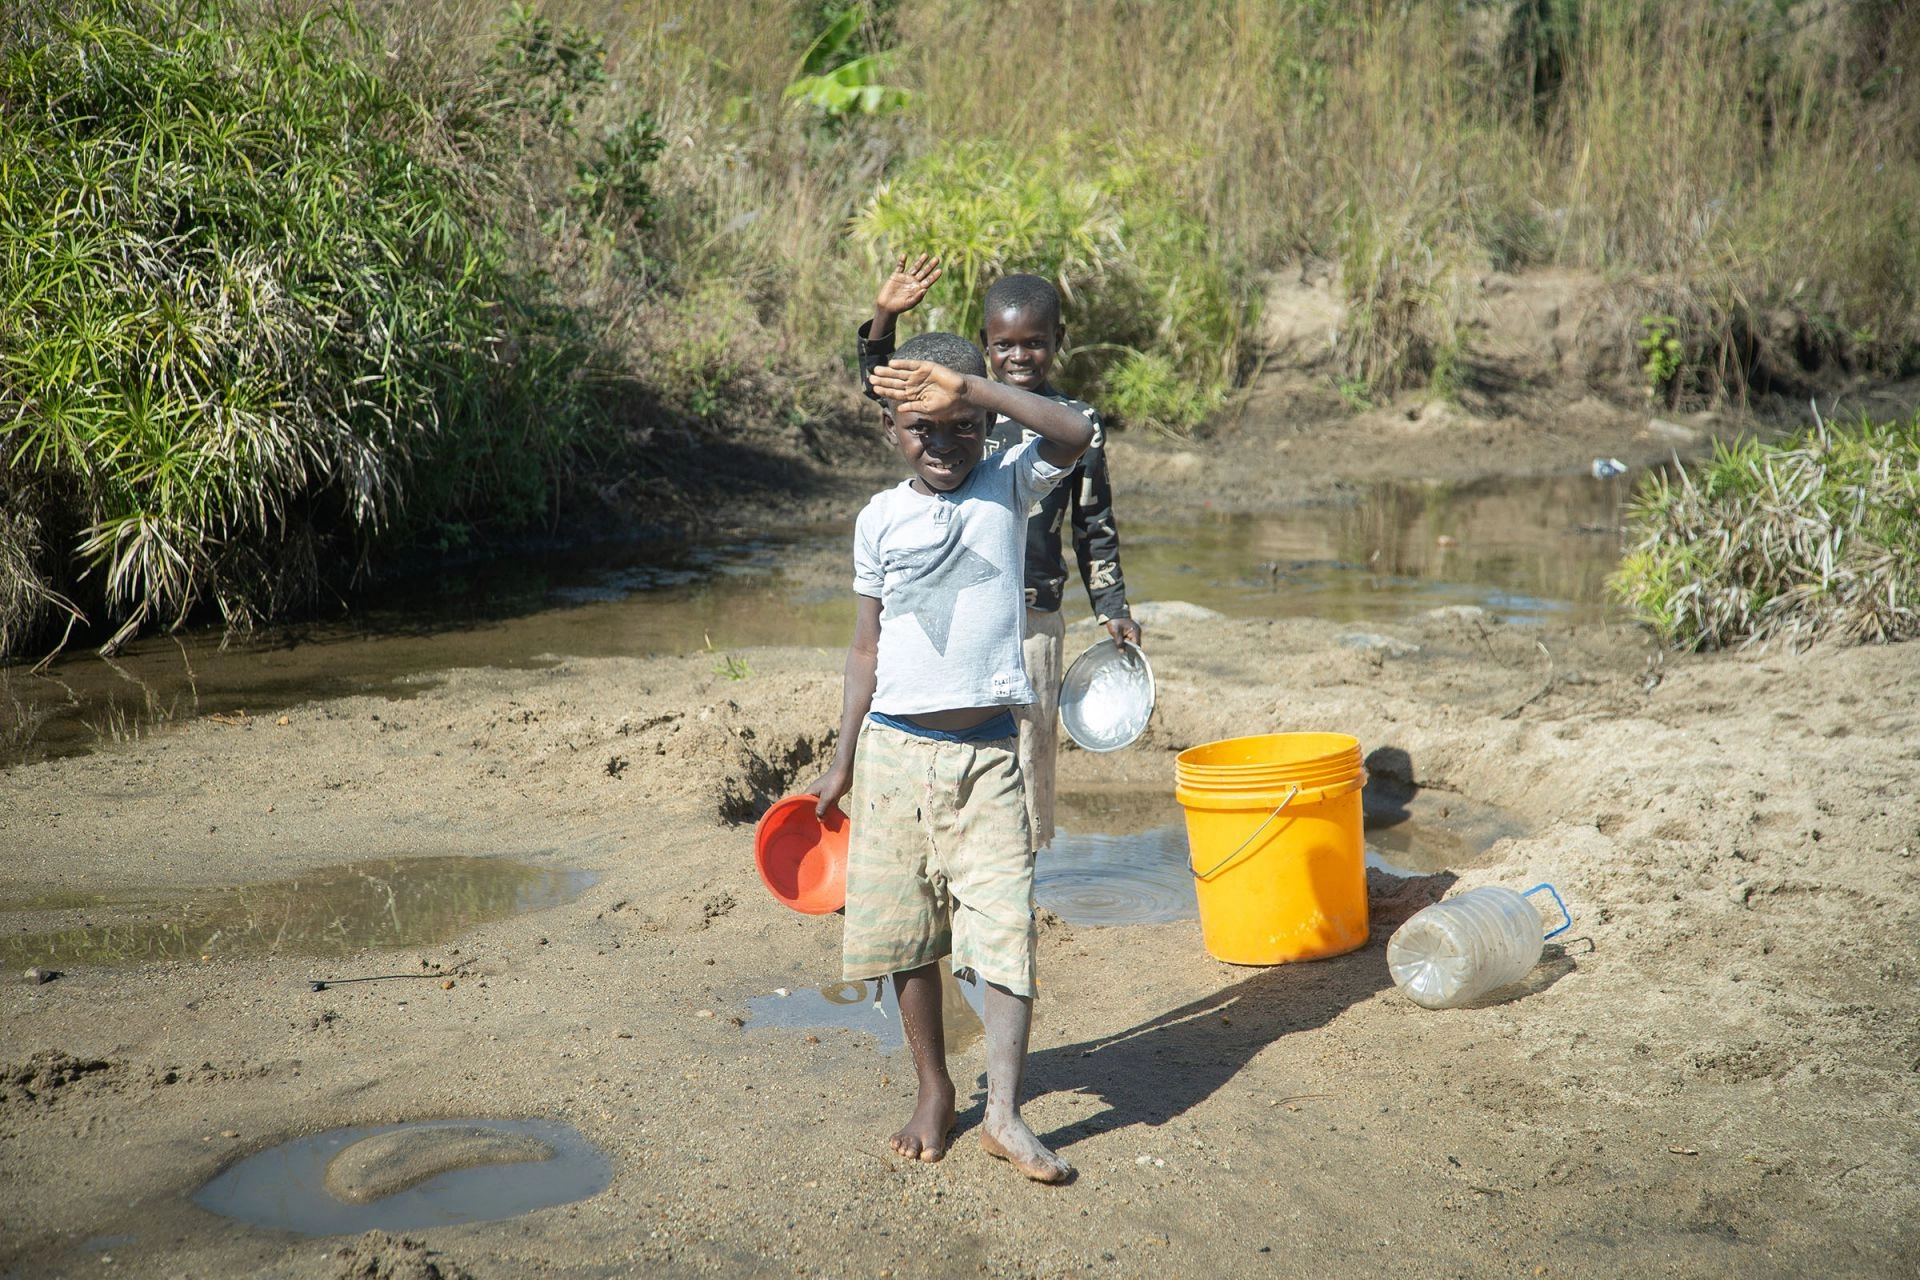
1718 1072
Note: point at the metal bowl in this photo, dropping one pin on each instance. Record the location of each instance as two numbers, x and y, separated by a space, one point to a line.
1107 697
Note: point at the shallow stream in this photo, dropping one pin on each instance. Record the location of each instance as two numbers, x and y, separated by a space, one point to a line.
1526 549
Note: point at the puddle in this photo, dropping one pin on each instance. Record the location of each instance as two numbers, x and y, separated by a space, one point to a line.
284 1187
1137 878
397 902
869 1008
1527 549
1135 871
1425 832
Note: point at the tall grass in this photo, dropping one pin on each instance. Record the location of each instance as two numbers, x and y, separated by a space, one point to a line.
252 305
292 283
1720 159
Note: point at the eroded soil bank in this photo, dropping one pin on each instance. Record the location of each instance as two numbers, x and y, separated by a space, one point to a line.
1714 1074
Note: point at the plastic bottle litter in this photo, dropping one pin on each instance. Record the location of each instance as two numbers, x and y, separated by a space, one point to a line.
1458 950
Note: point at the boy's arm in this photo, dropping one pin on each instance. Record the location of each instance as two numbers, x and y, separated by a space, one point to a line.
921 387
856 699
1096 541
900 294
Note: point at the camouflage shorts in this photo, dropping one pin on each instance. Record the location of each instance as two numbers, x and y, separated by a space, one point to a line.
940 860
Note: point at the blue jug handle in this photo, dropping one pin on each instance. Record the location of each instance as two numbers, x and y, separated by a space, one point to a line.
1565 915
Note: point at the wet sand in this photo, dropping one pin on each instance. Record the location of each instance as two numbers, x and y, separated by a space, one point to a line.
1713 1074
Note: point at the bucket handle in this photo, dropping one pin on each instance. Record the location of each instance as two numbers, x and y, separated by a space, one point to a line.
1566 916
1202 875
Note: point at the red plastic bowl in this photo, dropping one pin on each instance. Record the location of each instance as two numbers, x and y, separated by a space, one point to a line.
802 859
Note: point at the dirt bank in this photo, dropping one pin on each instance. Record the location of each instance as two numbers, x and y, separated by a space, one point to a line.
1717 1073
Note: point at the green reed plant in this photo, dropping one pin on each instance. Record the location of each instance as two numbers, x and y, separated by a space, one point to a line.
1817 536
253 307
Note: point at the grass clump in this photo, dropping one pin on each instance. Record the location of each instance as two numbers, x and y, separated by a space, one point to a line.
256 318
1816 536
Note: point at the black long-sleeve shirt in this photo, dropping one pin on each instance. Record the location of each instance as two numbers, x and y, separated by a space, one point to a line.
1082 499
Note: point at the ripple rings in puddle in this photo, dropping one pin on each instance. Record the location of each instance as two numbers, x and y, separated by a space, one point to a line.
284 1187
1094 880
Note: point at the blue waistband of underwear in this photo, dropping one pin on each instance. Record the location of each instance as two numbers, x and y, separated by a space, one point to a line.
1000 726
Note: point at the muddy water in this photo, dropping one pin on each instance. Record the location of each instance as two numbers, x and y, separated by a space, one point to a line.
284 1187
518 612
1119 856
1526 549
333 911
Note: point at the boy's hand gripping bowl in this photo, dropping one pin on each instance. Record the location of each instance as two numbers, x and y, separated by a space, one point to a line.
802 858
1107 696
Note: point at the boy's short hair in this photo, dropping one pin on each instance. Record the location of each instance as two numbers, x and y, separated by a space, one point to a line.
948 349
1031 295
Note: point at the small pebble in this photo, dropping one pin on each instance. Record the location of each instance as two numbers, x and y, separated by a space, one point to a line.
229 1133
39 976
704 1013
781 992
447 985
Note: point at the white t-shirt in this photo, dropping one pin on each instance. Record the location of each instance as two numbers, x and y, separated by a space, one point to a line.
948 571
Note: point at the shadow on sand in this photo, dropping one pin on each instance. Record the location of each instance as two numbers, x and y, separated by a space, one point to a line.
1150 1073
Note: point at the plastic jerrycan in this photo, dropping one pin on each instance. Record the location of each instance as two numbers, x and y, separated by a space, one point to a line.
1456 951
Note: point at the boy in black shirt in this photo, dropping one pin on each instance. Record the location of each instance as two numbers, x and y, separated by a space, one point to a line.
1023 335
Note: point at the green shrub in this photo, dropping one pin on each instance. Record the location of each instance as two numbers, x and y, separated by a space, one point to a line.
1660 344
1812 537
253 305
1145 390
1155 320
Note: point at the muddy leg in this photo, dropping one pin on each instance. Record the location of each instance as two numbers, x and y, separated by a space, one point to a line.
925 1136
1004 1133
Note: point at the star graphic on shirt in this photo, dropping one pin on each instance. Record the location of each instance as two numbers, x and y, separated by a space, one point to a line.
932 588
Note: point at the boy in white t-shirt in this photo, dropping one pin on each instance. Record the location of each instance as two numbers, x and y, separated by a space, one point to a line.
941 861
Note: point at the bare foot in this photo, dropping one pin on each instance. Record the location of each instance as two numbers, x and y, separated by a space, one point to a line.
1012 1141
925 1137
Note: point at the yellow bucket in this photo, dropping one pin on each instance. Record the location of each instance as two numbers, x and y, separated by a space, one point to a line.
1275 845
